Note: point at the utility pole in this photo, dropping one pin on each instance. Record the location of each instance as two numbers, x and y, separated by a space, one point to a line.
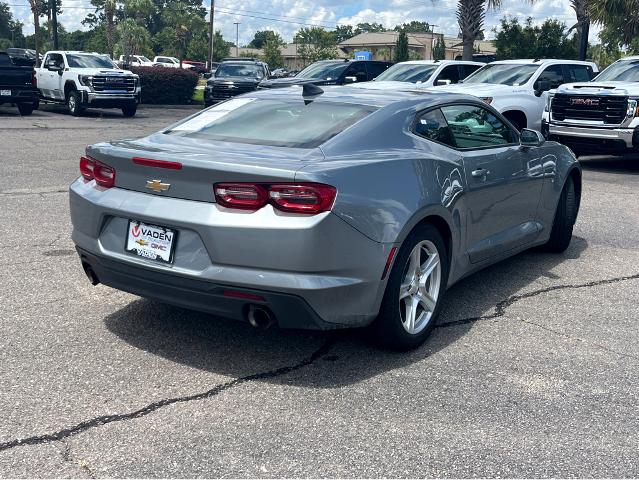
211 34
237 38
53 4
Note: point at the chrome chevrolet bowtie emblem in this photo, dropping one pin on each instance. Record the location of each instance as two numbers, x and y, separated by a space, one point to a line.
157 185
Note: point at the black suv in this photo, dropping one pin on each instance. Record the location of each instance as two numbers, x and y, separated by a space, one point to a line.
234 76
332 72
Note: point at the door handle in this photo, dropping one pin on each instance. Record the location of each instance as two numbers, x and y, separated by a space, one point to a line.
480 173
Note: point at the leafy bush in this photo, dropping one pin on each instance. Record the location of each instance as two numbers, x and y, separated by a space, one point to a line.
167 86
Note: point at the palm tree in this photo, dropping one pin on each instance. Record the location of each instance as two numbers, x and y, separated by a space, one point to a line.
109 16
470 16
618 16
38 7
582 26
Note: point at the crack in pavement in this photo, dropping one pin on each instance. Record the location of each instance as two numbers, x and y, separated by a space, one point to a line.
152 407
323 350
500 309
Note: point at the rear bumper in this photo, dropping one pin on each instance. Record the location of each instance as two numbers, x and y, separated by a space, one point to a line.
320 261
289 311
19 96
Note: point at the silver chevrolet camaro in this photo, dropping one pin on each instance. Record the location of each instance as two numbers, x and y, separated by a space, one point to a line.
321 207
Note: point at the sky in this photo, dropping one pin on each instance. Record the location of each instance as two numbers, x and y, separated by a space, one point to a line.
287 16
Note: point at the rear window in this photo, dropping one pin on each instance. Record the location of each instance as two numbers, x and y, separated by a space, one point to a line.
278 123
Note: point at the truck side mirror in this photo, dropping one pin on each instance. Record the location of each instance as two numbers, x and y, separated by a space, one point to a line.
442 82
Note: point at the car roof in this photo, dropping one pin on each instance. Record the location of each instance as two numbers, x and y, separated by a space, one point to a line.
439 62
377 98
537 61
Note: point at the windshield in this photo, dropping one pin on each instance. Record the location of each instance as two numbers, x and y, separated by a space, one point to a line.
239 70
404 72
278 123
89 61
143 59
323 70
503 74
622 71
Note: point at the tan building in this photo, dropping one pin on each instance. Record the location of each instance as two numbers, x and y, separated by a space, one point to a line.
454 48
382 44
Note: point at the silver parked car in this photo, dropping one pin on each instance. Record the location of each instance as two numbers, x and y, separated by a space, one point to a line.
321 209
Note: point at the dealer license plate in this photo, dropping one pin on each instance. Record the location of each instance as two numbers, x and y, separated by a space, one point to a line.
5 93
151 241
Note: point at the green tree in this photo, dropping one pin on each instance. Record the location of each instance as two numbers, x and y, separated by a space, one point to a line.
343 32
10 29
38 7
185 27
272 54
439 50
262 36
413 27
514 40
134 39
401 47
315 43
368 28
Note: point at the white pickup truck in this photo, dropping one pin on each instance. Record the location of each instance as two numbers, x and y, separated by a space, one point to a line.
601 116
81 80
519 88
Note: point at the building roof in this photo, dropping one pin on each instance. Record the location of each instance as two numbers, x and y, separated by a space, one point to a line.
387 38
484 46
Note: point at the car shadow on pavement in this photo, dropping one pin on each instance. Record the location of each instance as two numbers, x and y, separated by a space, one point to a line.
625 165
235 349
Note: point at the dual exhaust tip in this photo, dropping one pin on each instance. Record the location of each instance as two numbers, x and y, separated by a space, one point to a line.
257 315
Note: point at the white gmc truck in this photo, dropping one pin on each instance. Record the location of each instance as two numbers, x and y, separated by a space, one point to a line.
81 80
518 89
601 116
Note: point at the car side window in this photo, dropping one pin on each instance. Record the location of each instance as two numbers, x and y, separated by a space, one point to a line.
375 69
468 69
472 127
357 70
55 59
450 73
578 73
433 126
553 74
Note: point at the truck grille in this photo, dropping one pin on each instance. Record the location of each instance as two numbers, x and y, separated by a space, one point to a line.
228 91
111 83
608 109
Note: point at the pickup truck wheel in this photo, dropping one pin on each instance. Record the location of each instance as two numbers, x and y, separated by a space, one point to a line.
25 108
129 110
74 104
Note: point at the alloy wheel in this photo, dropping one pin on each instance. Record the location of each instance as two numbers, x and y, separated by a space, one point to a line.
419 290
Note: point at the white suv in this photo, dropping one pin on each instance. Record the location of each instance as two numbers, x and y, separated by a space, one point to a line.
518 89
421 74
170 62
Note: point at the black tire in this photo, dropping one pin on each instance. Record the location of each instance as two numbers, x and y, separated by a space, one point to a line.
25 108
74 104
388 329
129 110
565 217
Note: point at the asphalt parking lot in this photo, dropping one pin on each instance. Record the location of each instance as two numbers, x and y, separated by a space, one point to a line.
532 371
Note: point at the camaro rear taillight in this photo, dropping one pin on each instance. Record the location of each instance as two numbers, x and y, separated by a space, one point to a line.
92 169
309 198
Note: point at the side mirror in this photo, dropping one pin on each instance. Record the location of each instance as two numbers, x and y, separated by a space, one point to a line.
542 86
442 82
52 67
350 79
530 138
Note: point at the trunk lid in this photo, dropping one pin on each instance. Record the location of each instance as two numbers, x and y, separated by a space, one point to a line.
204 163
